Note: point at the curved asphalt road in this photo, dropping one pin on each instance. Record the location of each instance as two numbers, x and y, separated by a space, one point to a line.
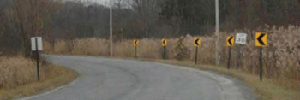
116 79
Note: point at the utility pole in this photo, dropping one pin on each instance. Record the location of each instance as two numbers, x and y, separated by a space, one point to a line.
37 18
217 32
111 38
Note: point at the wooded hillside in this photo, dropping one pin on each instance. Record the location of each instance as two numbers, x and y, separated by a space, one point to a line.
22 19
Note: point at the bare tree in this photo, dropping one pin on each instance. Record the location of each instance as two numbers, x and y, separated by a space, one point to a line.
31 16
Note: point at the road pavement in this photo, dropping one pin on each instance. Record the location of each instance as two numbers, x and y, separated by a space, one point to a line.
116 79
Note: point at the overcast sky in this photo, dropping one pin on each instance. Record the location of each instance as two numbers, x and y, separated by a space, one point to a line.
99 1
104 2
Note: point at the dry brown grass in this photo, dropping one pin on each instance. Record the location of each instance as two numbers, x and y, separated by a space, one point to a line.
61 47
16 71
18 77
148 48
280 57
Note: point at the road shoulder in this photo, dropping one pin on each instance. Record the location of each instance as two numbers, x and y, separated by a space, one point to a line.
230 88
266 89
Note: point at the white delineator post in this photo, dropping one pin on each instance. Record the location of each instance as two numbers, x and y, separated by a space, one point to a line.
217 32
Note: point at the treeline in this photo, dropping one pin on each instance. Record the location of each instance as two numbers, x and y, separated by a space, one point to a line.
22 19
234 14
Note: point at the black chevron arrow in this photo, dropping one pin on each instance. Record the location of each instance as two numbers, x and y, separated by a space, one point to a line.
164 41
259 39
196 41
229 40
136 42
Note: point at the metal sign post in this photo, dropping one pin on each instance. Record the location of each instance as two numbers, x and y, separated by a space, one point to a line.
135 54
229 57
238 56
164 52
164 44
197 43
37 45
261 40
196 55
135 44
241 39
229 43
37 59
260 64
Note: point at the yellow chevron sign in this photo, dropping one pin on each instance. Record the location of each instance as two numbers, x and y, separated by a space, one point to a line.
197 42
230 41
163 42
135 42
261 39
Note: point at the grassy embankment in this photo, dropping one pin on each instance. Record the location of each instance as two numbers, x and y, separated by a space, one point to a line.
18 77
